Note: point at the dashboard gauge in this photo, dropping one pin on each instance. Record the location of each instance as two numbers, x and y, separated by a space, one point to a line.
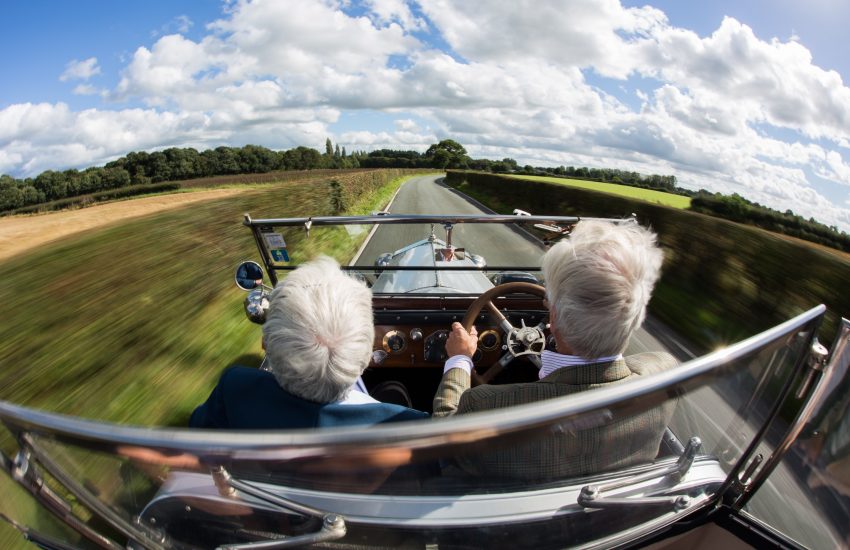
394 342
489 340
435 346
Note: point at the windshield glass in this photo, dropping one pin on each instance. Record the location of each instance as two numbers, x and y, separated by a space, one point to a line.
562 469
438 257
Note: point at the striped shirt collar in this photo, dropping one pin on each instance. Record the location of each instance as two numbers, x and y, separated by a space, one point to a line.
553 361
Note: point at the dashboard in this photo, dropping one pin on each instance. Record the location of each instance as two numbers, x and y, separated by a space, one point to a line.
415 337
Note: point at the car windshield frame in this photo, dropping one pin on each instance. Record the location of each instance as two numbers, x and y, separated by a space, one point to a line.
550 228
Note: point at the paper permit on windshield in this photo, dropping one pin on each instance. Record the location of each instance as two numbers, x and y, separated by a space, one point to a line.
277 246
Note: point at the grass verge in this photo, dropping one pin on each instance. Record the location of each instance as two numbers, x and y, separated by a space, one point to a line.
649 195
134 323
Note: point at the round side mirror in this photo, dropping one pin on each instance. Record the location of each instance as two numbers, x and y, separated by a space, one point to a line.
249 275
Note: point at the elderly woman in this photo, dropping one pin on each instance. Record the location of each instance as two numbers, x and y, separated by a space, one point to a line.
318 339
598 284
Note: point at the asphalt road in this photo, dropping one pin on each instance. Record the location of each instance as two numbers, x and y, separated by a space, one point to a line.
709 413
499 244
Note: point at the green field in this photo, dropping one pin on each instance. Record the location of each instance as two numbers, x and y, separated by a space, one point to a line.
134 323
649 195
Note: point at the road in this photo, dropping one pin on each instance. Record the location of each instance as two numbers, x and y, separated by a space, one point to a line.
710 412
499 244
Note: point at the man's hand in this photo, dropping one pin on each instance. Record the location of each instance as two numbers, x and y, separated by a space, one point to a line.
461 342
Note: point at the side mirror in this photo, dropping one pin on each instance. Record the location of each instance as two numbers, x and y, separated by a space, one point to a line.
249 275
256 305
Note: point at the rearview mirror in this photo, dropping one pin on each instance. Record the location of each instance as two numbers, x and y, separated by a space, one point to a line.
249 275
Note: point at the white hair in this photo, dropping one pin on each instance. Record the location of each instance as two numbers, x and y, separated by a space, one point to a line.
599 281
319 331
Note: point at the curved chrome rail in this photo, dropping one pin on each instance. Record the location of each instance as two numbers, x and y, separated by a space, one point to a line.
426 434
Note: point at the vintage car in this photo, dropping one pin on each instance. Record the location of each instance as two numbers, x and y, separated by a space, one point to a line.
727 471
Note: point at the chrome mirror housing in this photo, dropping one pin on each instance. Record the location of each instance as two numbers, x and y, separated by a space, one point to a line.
256 305
249 275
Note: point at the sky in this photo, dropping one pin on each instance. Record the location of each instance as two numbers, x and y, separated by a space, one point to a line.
745 96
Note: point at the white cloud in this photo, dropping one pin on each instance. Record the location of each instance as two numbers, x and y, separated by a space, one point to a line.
84 89
527 79
80 70
180 24
406 125
386 12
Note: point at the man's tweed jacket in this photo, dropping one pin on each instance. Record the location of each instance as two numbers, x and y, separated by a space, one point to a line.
617 443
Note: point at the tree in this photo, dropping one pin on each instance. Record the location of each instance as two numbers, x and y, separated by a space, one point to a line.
329 147
447 154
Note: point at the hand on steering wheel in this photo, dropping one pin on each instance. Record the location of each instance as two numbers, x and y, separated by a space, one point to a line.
519 341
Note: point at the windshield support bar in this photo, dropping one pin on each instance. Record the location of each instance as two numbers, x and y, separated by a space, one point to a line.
593 496
140 533
831 376
333 528
24 472
227 483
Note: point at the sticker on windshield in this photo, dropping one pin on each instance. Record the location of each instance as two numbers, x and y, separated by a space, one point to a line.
274 240
280 254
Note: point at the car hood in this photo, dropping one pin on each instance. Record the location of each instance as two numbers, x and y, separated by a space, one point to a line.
434 279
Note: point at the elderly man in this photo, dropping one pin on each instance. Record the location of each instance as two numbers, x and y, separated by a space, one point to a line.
318 339
599 282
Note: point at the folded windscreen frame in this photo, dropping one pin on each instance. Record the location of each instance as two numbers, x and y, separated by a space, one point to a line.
601 466
408 249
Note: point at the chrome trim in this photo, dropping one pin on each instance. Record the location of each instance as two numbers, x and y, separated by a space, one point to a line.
385 342
333 528
835 370
485 333
457 430
475 509
390 219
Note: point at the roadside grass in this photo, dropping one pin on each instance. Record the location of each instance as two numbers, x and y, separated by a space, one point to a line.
133 323
649 195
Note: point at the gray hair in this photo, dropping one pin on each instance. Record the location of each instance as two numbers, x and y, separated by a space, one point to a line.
319 332
599 281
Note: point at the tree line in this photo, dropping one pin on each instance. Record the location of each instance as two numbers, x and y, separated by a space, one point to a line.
738 209
172 164
143 169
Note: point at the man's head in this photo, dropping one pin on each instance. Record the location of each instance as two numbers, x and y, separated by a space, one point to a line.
598 283
318 332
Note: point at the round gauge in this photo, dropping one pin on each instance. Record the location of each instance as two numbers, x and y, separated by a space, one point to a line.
394 342
489 340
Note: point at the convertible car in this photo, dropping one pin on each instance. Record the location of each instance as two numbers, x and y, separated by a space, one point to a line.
736 465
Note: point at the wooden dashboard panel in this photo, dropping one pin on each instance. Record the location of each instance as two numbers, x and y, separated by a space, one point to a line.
415 319
413 352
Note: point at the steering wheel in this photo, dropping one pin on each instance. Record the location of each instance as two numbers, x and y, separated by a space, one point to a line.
520 341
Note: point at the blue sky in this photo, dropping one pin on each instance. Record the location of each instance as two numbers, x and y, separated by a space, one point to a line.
748 97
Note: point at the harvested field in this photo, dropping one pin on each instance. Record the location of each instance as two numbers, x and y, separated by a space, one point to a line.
21 233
